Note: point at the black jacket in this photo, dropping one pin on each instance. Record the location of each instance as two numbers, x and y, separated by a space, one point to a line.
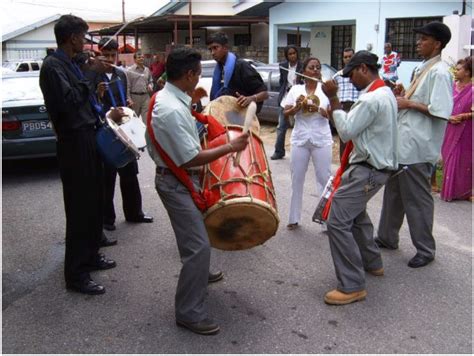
66 97
284 78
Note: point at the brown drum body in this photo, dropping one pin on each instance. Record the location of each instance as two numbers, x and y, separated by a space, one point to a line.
243 211
226 110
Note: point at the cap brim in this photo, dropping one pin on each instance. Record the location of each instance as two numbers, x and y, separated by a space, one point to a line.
347 70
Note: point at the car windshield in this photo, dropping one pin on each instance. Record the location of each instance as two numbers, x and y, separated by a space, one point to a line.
9 65
21 88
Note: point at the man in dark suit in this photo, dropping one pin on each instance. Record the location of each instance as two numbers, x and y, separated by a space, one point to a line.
288 78
234 76
112 91
73 109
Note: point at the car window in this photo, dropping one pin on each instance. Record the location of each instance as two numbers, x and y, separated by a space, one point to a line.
24 88
35 66
275 80
327 72
23 67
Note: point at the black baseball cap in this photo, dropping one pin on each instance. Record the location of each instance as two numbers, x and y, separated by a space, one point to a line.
437 30
361 57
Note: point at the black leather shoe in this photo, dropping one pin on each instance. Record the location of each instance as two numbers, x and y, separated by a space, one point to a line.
102 263
419 261
142 219
380 244
215 277
86 286
106 242
109 227
276 156
204 327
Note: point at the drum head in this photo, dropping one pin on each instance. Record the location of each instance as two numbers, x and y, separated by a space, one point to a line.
240 226
226 110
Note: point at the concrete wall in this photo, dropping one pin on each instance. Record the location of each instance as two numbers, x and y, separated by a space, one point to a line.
30 45
369 16
457 47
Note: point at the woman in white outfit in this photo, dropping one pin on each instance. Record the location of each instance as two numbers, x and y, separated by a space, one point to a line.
311 137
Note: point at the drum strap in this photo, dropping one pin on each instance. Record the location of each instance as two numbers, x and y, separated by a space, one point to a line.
201 199
345 160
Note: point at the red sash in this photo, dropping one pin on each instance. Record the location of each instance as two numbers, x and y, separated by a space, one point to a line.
378 83
214 129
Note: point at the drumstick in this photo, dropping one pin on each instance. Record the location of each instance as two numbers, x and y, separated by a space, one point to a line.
249 116
304 76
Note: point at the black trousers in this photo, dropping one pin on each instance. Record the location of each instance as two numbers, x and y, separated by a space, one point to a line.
81 172
131 195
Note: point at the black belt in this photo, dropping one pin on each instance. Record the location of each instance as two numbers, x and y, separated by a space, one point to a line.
165 170
138 93
368 165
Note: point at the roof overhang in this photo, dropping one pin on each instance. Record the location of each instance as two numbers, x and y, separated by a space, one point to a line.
164 24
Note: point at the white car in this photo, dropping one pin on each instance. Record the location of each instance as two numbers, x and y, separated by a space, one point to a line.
22 66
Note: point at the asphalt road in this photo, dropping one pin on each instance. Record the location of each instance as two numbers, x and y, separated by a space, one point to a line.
271 300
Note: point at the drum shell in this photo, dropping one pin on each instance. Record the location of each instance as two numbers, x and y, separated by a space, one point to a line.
243 210
112 149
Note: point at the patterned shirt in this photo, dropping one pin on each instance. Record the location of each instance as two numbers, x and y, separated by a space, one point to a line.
346 90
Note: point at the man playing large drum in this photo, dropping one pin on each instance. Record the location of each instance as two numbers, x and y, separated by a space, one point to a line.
176 135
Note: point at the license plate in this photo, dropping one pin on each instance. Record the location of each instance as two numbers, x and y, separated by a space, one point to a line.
43 125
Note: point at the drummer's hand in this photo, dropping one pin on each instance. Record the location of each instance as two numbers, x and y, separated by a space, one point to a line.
239 143
101 88
330 88
244 101
130 103
116 114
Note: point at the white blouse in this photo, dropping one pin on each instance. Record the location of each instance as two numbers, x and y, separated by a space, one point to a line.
312 127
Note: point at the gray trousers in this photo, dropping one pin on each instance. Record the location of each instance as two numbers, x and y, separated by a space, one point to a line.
140 105
350 230
409 194
193 245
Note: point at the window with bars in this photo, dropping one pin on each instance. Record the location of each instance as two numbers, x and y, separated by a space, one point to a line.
399 32
341 37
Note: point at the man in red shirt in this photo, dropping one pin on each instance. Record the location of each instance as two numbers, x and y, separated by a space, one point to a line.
157 68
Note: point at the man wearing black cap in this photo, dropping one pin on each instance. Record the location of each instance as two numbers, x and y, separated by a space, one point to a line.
371 124
423 112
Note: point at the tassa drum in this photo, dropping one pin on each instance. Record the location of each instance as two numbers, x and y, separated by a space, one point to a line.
243 210
117 143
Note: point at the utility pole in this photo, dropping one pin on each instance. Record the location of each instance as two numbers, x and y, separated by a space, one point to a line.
124 35
190 24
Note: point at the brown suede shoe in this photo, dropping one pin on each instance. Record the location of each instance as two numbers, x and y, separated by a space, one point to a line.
377 272
336 297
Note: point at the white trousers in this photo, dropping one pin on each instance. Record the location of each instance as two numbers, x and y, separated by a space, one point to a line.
300 155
